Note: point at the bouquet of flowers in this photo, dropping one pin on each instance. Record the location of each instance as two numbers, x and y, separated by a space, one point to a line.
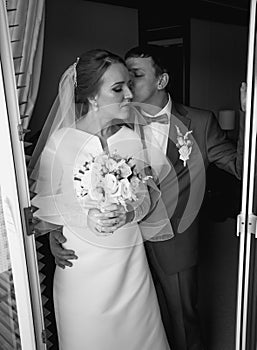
108 178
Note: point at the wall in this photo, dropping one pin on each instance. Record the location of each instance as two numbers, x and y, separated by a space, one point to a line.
72 27
217 64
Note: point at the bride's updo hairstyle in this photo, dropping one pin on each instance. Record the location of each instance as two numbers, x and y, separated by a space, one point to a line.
90 68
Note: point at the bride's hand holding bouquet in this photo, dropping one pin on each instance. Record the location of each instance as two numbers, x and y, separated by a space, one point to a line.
105 222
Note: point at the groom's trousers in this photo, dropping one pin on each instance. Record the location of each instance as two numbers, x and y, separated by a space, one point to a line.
177 296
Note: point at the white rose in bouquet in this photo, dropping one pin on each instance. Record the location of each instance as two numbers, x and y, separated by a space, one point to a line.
126 192
125 170
111 185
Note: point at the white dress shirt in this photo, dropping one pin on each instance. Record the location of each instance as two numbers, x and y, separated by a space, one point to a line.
158 132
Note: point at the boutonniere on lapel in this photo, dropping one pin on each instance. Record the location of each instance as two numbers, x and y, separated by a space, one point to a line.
184 145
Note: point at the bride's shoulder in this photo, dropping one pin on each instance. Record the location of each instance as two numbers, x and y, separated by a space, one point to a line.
60 134
63 138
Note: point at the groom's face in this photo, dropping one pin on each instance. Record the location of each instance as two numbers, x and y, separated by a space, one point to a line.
144 79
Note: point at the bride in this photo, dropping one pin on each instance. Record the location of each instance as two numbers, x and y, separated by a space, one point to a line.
107 300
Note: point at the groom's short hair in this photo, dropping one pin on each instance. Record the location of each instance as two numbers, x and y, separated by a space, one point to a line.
156 52
159 55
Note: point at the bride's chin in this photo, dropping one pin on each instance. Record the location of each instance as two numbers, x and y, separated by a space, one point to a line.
124 114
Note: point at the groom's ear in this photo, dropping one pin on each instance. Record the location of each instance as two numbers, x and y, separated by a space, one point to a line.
163 81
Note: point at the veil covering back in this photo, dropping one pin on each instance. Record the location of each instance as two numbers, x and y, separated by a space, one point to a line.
56 199
42 169
62 114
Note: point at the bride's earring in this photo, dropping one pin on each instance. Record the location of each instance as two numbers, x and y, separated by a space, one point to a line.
95 106
93 103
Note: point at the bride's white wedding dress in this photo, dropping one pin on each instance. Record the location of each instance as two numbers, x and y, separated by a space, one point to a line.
107 300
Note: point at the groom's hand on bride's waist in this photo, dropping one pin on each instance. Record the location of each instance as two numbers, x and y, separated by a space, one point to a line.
61 255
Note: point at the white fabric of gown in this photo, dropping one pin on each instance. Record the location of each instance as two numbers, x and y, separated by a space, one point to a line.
107 300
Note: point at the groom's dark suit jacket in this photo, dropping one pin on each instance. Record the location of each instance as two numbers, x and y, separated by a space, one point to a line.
210 145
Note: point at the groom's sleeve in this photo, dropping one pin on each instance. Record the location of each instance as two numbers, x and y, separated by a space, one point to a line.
220 150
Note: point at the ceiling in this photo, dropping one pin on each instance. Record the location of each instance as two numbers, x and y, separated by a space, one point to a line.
236 4
161 13
240 4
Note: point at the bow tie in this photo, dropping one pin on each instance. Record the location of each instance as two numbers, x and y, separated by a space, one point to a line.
163 119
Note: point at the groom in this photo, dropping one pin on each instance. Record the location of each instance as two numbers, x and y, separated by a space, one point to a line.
174 262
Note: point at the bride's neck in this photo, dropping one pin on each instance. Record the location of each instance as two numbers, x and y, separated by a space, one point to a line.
94 126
